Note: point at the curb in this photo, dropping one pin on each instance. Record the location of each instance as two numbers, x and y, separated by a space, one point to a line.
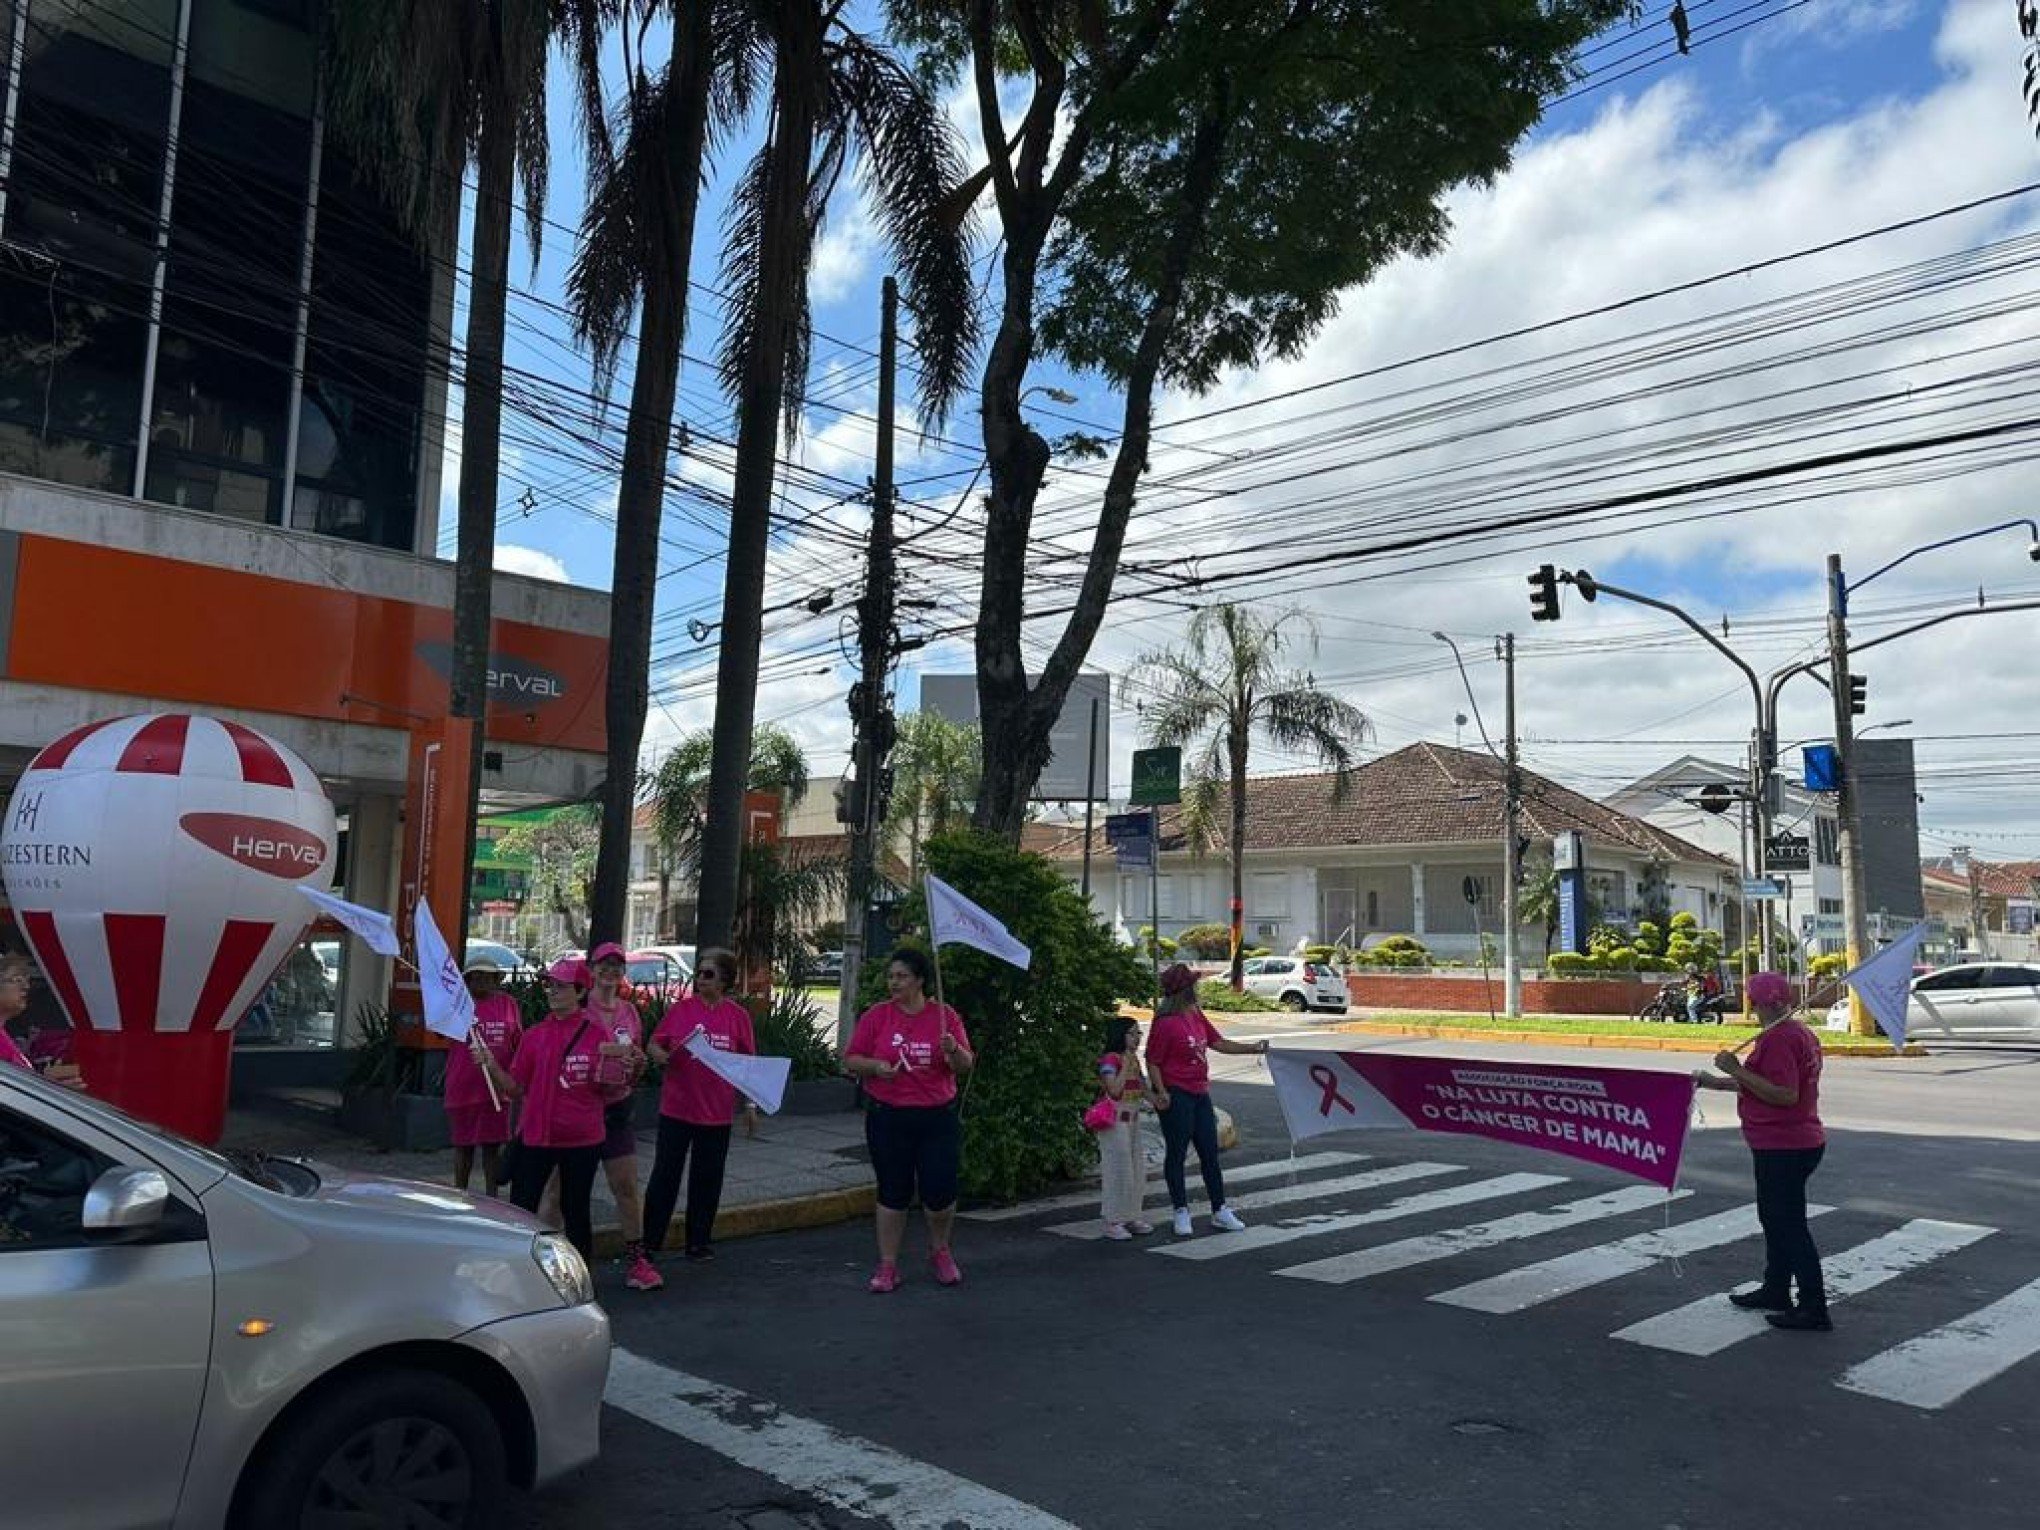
1875 1049
822 1209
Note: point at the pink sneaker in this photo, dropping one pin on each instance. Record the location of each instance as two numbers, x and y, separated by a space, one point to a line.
944 1265
885 1278
643 1275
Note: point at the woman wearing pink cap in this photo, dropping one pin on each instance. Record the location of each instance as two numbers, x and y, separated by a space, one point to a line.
1181 1091
623 1035
560 1128
474 1119
695 1104
1778 1098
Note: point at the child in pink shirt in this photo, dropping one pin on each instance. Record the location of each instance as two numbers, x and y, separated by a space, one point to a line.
695 1105
475 1119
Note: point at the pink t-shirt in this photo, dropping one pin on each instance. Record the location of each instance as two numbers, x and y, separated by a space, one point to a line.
562 1106
620 1022
10 1053
914 1042
689 1091
1113 1066
1788 1054
501 1028
1175 1050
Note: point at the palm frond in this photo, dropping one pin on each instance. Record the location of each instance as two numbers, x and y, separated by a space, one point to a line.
1300 717
743 237
1199 815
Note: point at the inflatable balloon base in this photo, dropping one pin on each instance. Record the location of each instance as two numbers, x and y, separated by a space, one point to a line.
174 1079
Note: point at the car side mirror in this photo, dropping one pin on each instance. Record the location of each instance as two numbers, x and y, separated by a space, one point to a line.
125 1201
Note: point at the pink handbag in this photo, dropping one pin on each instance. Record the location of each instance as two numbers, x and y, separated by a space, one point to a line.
1102 1115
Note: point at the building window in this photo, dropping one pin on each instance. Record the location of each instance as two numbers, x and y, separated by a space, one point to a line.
1830 905
1827 842
1268 898
1373 909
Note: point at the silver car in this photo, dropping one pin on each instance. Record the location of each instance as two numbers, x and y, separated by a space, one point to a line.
193 1340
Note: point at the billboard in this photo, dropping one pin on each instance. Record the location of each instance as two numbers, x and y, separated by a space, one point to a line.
1065 778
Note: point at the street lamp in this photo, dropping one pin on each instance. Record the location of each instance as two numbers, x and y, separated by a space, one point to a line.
1059 395
1512 800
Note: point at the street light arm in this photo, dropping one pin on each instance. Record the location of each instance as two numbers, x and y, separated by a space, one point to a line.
1471 699
2032 530
1602 587
1946 616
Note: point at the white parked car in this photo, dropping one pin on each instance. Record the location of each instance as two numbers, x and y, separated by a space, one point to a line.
1295 983
1974 998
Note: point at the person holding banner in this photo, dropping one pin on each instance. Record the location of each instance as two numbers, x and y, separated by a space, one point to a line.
1182 1094
695 1105
475 1117
1123 1180
1778 1099
909 1052
623 1061
554 1076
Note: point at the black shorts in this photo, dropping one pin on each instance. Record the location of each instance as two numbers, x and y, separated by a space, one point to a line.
914 1146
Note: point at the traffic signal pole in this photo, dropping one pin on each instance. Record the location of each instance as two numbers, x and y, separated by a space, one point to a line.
1848 803
1512 841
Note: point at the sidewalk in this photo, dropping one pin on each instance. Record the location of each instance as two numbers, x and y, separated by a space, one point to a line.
799 1171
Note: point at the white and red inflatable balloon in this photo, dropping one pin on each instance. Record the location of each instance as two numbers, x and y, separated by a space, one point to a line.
153 862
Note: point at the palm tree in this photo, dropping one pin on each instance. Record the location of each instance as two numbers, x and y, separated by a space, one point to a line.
635 258
935 766
834 92
418 90
678 790
1222 687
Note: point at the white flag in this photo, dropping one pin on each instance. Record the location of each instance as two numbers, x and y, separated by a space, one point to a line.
449 1009
761 1080
378 929
1884 983
953 917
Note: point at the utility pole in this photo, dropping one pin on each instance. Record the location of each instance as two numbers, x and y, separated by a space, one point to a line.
1848 806
1965 861
864 801
1512 841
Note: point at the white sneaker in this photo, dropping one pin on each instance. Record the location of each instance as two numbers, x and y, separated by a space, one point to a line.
1225 1219
1182 1221
1118 1232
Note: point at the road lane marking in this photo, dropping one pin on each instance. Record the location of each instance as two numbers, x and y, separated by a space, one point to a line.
1712 1324
1533 1284
1092 1229
1939 1366
840 1469
1246 1174
1343 1269
1220 1245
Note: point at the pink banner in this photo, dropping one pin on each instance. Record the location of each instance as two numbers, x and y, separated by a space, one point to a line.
1629 1119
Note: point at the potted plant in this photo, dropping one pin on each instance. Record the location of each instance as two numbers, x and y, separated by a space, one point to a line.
387 1096
792 1025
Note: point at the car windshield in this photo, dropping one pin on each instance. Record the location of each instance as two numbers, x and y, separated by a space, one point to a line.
252 1164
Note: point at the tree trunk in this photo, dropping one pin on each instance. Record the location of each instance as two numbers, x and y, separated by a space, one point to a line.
1236 748
641 497
481 435
761 395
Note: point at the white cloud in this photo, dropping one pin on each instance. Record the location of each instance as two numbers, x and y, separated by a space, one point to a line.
512 559
845 255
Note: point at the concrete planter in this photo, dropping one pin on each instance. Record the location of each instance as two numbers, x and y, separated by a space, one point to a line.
819 1097
405 1123
1466 993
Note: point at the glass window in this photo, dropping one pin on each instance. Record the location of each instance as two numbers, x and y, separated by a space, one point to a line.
84 190
2009 977
1373 909
43 1180
1949 981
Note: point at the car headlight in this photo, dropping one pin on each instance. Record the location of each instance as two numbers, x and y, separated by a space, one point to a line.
565 1268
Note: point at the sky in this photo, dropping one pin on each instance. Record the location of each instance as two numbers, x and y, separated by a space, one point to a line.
1815 236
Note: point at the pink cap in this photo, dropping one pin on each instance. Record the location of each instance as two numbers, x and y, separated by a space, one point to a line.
1769 990
1178 979
609 950
568 969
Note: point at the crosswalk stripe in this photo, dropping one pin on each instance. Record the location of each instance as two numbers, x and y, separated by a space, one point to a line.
1220 1245
1712 1324
1091 1229
1246 1174
1939 1366
1533 1284
854 1474
1342 1269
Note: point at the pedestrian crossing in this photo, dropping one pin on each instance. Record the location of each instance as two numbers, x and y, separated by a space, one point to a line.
1339 1198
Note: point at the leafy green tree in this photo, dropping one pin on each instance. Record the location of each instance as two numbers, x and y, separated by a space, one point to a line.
935 775
1189 190
835 93
1226 685
678 788
560 847
418 90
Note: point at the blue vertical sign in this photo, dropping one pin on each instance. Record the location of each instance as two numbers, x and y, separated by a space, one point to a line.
1569 860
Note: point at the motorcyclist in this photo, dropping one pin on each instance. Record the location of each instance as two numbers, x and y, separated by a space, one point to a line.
1702 989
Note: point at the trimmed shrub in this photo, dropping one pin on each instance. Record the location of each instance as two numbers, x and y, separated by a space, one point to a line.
1211 942
1216 996
1569 963
1824 968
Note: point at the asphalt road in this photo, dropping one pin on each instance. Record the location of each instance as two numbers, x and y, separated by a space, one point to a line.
1073 1382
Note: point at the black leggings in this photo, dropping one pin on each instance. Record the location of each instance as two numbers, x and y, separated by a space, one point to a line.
578 1167
1789 1252
711 1149
1191 1118
914 1147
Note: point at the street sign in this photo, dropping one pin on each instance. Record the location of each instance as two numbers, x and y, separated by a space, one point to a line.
1823 767
1125 826
1821 926
1157 776
1136 853
1714 798
1567 853
1066 777
1788 852
1757 889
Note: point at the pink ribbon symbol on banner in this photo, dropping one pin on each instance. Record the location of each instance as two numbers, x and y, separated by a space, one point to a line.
1328 1081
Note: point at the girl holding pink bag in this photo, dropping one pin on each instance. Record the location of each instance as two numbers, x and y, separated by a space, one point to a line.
1122 1171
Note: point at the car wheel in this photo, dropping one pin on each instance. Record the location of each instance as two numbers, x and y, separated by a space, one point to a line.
1294 1003
409 1450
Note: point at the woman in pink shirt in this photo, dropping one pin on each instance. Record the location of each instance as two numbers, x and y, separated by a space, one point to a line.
623 1037
560 1122
695 1105
1180 1079
15 977
1778 1098
909 1053
474 1120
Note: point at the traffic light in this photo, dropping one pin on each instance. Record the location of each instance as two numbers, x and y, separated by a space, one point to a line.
1858 695
850 802
1544 594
